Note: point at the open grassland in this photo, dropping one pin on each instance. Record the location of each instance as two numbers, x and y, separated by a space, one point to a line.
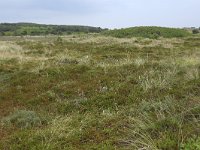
83 92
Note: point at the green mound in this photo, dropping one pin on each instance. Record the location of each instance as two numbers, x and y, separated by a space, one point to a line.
147 32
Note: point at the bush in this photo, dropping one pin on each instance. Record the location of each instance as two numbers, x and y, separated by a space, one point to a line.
58 41
22 119
195 31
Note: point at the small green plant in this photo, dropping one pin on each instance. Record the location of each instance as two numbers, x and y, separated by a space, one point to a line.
192 144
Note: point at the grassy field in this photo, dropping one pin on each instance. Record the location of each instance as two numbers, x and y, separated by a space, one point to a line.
82 92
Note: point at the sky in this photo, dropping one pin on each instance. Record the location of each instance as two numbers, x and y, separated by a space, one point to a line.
103 13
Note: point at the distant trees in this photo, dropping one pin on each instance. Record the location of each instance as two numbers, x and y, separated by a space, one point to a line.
20 29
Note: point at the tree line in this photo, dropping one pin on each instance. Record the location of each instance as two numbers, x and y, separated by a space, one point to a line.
22 29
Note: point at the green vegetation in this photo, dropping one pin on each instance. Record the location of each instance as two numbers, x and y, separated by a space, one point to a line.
195 31
98 92
147 32
20 29
22 119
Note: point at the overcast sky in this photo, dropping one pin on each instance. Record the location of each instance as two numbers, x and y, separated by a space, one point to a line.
103 13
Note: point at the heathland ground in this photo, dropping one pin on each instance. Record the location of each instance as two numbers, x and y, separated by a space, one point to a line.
93 91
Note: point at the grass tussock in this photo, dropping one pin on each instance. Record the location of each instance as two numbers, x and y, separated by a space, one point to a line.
22 119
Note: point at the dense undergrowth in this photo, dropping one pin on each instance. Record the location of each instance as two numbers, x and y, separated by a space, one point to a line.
147 32
96 92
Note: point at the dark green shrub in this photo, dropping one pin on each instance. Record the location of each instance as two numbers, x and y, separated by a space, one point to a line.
195 31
